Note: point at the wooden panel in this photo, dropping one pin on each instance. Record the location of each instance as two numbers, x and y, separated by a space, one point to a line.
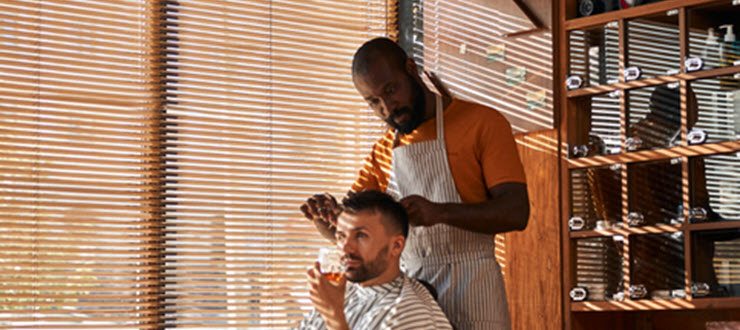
531 259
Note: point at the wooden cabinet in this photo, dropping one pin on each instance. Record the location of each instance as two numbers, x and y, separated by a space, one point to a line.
649 117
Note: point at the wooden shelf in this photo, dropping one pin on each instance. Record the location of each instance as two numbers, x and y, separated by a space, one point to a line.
656 229
634 12
596 90
655 305
625 231
713 225
658 154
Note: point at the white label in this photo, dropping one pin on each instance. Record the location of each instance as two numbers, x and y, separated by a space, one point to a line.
672 12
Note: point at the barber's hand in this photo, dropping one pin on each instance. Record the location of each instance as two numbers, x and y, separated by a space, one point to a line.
322 210
421 211
327 297
322 207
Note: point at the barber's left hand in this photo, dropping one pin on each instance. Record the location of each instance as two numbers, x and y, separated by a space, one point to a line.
327 297
421 211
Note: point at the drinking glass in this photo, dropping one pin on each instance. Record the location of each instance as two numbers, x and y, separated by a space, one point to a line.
330 261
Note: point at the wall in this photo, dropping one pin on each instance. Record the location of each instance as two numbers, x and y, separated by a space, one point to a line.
531 259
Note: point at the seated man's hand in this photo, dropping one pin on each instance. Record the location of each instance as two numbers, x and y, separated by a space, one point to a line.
327 297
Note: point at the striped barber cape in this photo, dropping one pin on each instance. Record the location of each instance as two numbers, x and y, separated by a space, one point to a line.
404 303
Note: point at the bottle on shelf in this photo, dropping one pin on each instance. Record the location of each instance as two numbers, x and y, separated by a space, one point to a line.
729 53
711 48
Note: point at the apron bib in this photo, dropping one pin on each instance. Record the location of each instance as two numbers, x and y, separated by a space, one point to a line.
460 264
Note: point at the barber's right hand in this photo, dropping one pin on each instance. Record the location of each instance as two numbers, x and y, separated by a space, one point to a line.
321 208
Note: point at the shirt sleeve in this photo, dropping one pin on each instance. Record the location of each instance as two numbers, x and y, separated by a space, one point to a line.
498 153
376 167
367 179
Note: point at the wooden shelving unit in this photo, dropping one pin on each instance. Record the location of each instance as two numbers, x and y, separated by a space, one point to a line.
613 112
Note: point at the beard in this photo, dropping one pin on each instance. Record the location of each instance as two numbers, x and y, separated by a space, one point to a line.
416 112
369 270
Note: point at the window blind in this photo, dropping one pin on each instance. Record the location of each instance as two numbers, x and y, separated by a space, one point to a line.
79 165
154 155
466 45
261 114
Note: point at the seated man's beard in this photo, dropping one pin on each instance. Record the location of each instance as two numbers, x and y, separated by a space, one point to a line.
367 270
416 113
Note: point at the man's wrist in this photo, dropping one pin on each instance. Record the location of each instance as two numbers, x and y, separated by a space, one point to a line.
338 322
326 230
444 213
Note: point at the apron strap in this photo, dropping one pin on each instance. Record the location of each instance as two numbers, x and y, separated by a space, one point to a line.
440 119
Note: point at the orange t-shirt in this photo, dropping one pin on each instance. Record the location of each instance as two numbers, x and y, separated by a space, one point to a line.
480 148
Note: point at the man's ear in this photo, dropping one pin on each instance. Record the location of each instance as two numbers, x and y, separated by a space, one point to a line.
411 68
397 244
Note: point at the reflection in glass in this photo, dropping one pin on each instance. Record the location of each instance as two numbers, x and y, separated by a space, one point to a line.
655 192
716 256
655 118
657 262
596 195
599 266
715 187
654 45
599 135
718 109
594 55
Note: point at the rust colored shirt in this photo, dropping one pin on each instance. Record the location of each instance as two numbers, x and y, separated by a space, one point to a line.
480 148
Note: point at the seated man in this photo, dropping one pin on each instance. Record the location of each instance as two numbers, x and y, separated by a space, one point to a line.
371 232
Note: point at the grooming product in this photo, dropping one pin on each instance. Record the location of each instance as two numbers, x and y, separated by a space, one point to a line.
590 7
711 48
595 61
729 51
624 4
593 7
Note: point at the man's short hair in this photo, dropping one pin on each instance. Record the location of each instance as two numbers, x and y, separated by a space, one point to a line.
374 49
392 212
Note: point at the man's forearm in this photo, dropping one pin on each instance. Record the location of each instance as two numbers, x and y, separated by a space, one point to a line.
506 210
325 229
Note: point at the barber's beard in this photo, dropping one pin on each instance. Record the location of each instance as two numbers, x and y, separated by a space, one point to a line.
416 114
368 270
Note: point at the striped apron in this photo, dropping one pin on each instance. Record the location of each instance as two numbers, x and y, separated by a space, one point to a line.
460 264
